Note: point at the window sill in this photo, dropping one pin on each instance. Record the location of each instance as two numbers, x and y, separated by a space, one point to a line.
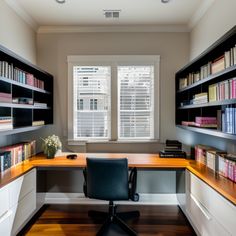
83 143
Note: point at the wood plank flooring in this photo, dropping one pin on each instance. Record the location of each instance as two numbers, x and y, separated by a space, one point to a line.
71 220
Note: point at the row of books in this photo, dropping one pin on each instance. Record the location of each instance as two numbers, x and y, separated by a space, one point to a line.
6 123
8 70
15 154
222 90
228 120
224 61
217 160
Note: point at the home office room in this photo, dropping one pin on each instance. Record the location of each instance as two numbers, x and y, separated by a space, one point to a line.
117 117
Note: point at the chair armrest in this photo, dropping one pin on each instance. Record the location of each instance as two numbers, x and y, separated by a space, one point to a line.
85 182
132 185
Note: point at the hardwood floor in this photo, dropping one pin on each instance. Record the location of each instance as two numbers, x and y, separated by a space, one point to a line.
70 220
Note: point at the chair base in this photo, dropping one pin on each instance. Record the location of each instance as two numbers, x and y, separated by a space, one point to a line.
116 218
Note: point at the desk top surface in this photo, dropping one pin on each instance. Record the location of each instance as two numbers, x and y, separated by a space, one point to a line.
143 161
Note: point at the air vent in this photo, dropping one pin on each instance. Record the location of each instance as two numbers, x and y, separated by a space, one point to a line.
112 14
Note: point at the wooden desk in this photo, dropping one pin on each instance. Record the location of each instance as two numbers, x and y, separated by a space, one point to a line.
142 161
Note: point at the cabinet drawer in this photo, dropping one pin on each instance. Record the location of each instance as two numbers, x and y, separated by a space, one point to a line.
203 221
4 200
222 210
5 229
22 186
22 211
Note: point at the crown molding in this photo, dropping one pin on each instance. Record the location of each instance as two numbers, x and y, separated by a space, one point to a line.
14 5
117 28
200 12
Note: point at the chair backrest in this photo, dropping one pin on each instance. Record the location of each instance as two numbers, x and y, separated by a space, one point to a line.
107 179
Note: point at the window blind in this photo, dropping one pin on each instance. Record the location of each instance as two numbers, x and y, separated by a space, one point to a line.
91 102
135 102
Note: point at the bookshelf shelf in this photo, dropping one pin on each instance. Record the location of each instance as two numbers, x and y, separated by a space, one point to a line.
24 82
23 106
219 86
21 130
213 132
209 104
10 81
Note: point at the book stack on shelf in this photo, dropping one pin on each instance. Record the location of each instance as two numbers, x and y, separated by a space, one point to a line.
199 98
173 149
38 122
206 122
5 97
203 122
40 104
6 123
15 154
217 160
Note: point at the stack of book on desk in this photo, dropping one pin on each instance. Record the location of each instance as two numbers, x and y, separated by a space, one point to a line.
173 149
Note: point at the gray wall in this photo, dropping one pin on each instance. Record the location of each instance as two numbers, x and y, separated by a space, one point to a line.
173 49
17 36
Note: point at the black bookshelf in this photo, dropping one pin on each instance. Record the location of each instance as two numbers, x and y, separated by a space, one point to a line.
25 117
185 109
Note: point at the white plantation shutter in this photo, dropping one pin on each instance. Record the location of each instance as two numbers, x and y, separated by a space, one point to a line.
135 102
91 98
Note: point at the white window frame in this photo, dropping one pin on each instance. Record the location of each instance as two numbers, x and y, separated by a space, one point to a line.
114 61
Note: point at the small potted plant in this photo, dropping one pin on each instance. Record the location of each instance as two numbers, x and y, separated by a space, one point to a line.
51 145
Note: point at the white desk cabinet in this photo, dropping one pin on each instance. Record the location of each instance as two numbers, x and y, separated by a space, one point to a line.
18 202
209 212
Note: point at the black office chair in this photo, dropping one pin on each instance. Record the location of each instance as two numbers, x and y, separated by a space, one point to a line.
107 179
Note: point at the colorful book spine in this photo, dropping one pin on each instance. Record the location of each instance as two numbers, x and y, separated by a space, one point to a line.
20 152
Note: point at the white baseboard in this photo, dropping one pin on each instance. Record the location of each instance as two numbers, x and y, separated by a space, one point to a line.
79 198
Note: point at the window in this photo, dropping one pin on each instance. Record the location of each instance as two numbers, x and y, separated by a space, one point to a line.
89 120
125 88
93 104
80 104
135 97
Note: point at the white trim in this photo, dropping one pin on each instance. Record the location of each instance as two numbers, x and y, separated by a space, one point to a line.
102 29
79 198
22 13
113 58
83 143
200 12
113 61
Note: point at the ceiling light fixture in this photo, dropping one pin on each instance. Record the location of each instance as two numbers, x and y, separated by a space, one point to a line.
60 1
165 1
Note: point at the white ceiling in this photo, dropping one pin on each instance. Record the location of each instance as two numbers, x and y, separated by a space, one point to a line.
90 12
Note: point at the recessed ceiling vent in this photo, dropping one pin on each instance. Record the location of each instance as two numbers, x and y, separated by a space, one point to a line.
112 14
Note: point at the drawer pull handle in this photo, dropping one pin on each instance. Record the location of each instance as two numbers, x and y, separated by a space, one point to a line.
5 215
201 207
